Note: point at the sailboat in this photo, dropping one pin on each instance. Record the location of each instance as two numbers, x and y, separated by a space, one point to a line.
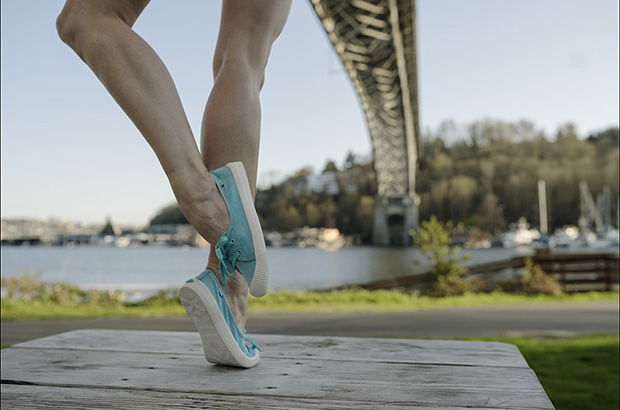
596 230
543 241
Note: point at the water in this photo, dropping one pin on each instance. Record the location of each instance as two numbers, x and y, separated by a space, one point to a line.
151 268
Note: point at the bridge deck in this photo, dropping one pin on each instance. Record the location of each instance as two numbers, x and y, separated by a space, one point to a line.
111 369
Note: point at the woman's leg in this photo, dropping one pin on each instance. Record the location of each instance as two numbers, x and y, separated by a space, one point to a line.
231 122
100 33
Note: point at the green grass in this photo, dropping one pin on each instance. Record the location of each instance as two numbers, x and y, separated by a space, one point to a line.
36 310
345 301
364 301
578 374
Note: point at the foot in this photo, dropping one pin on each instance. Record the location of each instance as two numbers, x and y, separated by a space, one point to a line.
222 340
205 208
242 248
237 295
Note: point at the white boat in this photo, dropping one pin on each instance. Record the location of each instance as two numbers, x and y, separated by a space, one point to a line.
613 236
605 239
519 234
566 236
330 239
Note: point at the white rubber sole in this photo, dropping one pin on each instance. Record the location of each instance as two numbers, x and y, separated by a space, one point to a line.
218 342
260 281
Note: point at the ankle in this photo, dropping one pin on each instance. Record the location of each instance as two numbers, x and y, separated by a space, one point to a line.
237 285
202 204
191 186
237 295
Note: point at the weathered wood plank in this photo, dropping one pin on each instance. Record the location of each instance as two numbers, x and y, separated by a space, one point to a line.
46 397
399 384
310 347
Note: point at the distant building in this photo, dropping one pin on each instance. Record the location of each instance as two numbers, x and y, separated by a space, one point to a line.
330 182
44 231
326 182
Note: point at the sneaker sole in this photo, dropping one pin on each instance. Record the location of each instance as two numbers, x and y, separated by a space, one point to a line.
260 280
219 345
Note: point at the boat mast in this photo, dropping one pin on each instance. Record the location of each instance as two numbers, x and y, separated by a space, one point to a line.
590 214
542 206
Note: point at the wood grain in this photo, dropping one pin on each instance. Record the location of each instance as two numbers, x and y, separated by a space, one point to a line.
315 347
95 369
45 397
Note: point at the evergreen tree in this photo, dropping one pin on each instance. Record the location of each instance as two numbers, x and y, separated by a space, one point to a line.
108 229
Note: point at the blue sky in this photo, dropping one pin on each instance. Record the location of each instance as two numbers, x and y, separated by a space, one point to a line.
68 151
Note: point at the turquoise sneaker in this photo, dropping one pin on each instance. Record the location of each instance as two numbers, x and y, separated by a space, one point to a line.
241 248
222 340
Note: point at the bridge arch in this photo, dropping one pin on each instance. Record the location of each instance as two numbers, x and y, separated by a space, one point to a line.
376 43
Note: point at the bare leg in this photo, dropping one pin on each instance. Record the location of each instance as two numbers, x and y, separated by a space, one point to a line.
100 33
231 122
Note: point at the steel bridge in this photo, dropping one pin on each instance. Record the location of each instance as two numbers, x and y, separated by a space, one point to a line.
376 42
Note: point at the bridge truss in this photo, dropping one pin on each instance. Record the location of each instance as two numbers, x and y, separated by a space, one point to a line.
377 45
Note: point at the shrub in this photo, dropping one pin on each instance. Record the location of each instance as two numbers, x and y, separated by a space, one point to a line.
533 281
434 239
164 297
28 287
454 286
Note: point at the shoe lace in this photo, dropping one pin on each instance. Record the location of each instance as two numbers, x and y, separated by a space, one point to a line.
252 342
228 260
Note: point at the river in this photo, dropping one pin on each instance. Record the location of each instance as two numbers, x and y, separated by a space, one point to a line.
150 268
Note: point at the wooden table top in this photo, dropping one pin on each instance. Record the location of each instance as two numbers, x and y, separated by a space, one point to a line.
116 369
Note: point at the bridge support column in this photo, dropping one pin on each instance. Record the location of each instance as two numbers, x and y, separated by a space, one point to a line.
395 217
380 232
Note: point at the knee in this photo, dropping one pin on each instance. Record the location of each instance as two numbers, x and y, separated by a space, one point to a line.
80 17
68 24
75 21
241 65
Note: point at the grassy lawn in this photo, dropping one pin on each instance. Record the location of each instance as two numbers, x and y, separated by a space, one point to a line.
36 310
364 301
577 374
346 301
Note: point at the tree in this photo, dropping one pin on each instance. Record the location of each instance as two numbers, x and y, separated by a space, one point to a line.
289 220
485 172
605 141
567 131
108 229
169 215
350 161
490 216
313 215
330 166
462 190
441 166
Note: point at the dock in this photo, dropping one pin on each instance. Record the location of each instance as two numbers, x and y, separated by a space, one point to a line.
128 369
